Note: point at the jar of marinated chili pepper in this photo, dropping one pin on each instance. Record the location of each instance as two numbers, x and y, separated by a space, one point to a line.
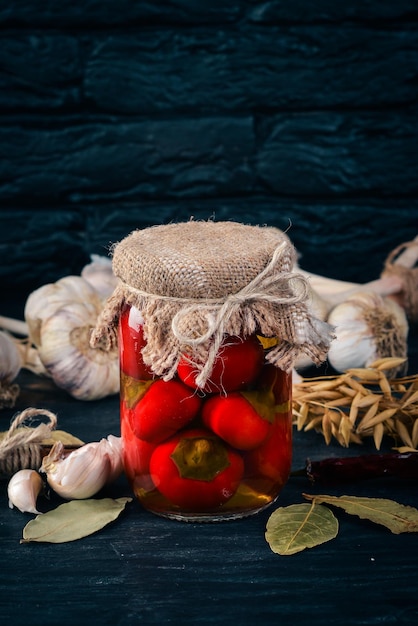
209 318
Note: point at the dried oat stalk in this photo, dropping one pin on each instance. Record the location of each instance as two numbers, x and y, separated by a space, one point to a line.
360 403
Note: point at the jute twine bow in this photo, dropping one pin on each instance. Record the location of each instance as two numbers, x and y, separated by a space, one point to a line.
21 447
409 277
263 287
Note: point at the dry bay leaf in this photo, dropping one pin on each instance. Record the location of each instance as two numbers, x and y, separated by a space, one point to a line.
398 518
67 439
293 528
73 520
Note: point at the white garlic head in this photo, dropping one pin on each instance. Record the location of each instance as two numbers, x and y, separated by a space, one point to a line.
23 490
367 327
61 317
10 365
85 471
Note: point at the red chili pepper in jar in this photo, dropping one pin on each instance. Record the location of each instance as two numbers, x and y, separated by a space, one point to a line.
236 421
195 470
165 407
131 343
237 365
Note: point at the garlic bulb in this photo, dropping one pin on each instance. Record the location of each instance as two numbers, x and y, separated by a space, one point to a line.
320 309
100 275
367 327
10 364
60 318
82 473
23 490
45 301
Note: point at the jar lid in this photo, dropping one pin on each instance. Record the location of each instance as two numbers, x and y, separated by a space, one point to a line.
198 259
195 282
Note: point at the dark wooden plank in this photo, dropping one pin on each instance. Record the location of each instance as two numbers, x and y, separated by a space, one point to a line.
329 153
296 154
237 69
250 69
149 158
328 11
34 12
126 12
39 71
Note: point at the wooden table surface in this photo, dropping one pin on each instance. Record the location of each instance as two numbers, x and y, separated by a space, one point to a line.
143 569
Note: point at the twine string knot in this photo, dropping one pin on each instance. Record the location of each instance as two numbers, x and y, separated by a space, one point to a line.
266 286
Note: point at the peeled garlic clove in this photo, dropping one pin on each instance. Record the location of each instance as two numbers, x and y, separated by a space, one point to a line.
113 447
79 475
23 490
99 274
367 327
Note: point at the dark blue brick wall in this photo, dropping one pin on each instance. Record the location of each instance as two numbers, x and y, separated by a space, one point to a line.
115 116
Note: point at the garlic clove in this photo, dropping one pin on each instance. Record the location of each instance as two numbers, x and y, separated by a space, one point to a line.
10 365
23 490
80 474
99 274
367 327
320 308
113 447
10 361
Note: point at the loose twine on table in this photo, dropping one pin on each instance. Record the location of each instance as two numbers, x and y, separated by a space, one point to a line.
21 447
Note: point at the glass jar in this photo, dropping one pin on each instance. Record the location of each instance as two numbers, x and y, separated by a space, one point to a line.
214 453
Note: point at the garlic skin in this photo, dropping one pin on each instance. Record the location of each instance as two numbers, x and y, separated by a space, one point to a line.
10 361
320 308
10 365
60 319
367 327
113 445
23 490
99 274
45 301
85 471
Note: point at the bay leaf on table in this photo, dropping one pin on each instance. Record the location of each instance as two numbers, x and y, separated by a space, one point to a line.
398 518
67 439
293 528
73 520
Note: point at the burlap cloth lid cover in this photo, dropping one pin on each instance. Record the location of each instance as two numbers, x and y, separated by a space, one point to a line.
196 282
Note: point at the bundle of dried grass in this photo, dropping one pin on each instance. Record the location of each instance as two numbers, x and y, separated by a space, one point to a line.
360 403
